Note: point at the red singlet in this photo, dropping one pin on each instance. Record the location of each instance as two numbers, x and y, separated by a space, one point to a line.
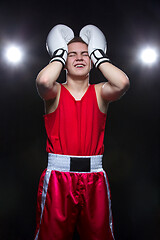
68 199
76 127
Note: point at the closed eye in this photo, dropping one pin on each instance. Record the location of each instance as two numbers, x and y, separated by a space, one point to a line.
85 53
71 54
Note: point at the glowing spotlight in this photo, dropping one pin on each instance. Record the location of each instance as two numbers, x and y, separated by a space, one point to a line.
14 54
149 56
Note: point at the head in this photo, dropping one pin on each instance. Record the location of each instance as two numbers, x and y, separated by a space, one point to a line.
77 39
78 63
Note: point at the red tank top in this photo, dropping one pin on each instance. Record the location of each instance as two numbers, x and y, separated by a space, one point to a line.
76 127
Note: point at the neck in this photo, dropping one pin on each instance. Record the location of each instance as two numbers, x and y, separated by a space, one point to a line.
79 84
77 88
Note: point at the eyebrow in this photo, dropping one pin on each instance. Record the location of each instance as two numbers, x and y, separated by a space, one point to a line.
71 52
76 52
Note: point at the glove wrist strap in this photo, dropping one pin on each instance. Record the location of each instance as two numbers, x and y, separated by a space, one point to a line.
59 55
98 57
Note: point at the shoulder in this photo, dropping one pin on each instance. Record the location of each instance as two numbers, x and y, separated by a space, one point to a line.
52 104
99 86
103 104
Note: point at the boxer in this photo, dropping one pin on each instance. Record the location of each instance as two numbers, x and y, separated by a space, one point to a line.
73 190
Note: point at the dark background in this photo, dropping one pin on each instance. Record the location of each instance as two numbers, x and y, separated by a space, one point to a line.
131 156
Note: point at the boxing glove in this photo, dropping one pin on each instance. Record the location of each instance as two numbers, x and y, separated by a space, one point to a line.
57 41
96 42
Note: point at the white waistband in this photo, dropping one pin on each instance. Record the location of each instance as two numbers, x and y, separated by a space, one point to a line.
62 162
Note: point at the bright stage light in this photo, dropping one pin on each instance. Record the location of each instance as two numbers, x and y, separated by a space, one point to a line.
149 56
13 54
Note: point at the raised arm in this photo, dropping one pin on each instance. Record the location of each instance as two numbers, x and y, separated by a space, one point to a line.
46 80
56 44
118 82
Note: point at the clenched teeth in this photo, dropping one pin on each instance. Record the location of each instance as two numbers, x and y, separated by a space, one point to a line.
79 66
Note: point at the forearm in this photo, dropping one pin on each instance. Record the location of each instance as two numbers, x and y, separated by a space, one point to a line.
118 82
46 80
116 77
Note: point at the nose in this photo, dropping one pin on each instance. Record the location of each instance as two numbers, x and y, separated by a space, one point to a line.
79 57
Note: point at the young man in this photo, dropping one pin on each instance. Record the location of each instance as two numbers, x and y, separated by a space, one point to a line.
74 190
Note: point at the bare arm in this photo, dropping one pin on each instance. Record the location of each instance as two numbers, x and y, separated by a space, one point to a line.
117 84
46 80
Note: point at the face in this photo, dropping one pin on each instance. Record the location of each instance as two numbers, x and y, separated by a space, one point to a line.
78 61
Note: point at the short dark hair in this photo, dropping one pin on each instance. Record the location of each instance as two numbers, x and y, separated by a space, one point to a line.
77 39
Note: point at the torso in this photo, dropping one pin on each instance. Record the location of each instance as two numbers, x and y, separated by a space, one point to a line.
52 104
75 127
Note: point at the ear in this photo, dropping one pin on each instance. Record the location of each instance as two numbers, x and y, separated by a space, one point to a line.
65 67
91 64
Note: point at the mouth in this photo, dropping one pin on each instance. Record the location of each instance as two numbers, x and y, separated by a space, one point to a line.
79 65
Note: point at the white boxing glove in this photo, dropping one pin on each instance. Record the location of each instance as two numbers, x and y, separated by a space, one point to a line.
57 41
96 42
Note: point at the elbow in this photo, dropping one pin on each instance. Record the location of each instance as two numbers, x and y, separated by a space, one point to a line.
43 86
125 83
42 81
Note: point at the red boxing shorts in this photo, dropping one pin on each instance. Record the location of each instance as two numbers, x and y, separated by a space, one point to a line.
74 193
